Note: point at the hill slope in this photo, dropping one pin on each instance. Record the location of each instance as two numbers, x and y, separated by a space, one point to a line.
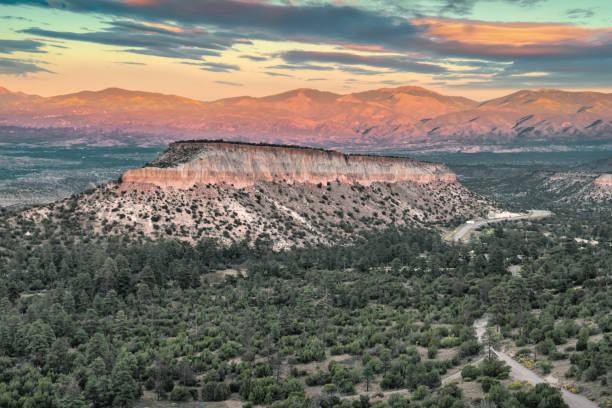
298 207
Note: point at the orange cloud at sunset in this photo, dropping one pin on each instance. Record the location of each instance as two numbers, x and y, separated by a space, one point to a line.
163 26
235 47
370 48
511 34
141 2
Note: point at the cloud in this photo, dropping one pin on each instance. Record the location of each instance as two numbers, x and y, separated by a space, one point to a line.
395 62
395 41
457 7
510 41
254 57
277 74
580 13
17 18
18 67
300 67
392 82
465 7
228 83
142 39
11 46
257 20
214 66
517 34
129 63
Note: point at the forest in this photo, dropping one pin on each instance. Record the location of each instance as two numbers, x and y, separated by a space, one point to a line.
379 323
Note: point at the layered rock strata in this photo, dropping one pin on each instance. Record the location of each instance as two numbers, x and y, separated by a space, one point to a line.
604 180
185 164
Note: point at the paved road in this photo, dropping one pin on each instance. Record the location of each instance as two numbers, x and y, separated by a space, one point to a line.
521 372
465 228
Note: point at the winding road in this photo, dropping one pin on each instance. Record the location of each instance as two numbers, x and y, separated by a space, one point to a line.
520 372
461 231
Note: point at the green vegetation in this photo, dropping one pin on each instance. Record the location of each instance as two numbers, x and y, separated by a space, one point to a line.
378 323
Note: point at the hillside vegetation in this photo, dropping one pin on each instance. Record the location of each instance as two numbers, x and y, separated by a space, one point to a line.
380 323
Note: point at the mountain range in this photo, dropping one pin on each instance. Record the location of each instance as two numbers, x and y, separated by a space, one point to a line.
403 117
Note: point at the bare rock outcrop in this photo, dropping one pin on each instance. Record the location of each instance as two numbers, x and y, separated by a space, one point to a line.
185 164
605 180
281 195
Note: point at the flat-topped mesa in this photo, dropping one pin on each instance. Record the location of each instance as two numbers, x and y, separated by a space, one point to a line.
604 180
185 164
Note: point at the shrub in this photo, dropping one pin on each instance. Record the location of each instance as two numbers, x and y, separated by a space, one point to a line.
312 351
591 374
330 389
515 385
263 370
421 393
494 368
469 348
545 366
470 373
215 391
179 394
450 341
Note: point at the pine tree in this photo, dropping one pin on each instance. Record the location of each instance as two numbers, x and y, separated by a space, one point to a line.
125 389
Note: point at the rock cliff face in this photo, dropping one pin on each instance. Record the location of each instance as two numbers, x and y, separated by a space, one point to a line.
604 180
281 195
185 164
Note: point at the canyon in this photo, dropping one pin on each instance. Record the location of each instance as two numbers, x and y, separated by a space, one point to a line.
404 117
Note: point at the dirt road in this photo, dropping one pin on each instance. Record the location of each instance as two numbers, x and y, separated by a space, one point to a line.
520 372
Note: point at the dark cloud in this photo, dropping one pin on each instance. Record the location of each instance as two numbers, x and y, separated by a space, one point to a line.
395 63
359 71
457 7
11 46
129 63
229 83
580 13
465 7
392 82
10 66
214 66
17 18
508 52
277 74
299 67
311 23
559 73
140 39
191 30
254 57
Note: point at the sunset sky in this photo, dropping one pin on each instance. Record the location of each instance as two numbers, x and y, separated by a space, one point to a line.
209 49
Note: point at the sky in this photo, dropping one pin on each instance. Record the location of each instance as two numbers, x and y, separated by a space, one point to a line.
211 49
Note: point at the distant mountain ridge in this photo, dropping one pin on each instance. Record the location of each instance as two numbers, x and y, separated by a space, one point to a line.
403 117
